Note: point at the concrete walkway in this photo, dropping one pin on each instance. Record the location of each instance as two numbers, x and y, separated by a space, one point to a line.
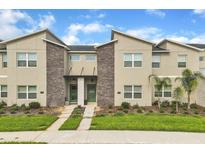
97 137
62 118
87 117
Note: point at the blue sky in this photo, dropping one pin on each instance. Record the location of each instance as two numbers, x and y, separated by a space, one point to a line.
94 26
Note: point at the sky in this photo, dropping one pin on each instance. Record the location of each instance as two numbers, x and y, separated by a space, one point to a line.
94 26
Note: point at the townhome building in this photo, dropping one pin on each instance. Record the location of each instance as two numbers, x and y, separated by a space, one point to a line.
40 67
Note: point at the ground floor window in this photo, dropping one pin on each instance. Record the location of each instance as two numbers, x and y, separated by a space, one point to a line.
165 92
3 90
132 91
27 92
73 93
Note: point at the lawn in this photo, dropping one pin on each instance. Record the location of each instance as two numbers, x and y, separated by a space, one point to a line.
26 122
157 122
74 120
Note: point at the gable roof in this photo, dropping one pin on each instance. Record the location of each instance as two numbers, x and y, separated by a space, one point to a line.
179 43
34 33
201 46
131 36
112 41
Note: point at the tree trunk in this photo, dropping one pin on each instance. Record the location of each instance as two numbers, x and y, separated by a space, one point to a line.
158 102
177 107
188 105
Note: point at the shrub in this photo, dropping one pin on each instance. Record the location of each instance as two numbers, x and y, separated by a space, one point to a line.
165 104
119 113
26 112
155 103
125 105
119 108
161 110
23 107
14 107
139 110
40 112
2 111
151 111
196 112
186 112
77 111
2 104
193 106
34 105
110 106
184 105
109 111
136 106
125 110
173 112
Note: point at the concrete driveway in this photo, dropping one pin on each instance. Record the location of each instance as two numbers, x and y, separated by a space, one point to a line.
97 137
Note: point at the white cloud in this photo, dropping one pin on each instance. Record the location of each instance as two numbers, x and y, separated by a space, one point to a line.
46 21
87 16
101 15
155 12
73 31
200 12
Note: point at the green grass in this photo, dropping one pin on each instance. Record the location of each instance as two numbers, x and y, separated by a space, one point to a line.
155 122
26 122
74 120
14 142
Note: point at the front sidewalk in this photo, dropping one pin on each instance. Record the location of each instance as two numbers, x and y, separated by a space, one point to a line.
97 137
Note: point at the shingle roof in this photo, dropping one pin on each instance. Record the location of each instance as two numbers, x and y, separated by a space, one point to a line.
201 46
81 47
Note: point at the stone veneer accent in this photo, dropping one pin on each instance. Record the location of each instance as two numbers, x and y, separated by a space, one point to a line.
105 79
55 73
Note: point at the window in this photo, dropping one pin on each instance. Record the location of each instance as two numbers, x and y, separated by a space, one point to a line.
168 91
133 60
132 91
27 92
165 92
156 61
157 93
26 59
4 60
90 57
182 61
201 58
74 57
202 70
32 60
3 90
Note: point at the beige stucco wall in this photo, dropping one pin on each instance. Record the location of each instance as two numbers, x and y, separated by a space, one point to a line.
132 76
89 66
26 76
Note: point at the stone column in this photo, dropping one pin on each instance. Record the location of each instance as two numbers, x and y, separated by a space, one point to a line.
81 91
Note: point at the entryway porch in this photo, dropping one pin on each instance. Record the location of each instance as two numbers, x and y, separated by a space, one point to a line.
81 90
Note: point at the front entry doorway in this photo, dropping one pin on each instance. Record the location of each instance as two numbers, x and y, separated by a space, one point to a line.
91 92
73 93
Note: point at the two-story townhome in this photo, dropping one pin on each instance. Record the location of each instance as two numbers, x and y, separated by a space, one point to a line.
40 67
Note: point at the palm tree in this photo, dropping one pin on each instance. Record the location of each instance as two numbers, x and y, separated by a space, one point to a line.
177 95
189 82
160 83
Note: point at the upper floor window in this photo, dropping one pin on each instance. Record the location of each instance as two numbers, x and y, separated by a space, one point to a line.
4 60
90 57
201 58
156 61
3 91
27 92
132 91
133 60
75 57
182 61
26 59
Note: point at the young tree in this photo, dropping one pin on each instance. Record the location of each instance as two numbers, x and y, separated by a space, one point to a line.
160 83
189 82
177 95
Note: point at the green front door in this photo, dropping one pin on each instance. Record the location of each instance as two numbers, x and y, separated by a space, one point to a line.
73 93
91 93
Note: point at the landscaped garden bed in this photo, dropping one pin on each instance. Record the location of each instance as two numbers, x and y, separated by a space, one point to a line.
74 120
153 118
26 118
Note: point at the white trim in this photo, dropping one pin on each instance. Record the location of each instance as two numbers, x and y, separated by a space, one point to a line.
132 92
97 46
27 60
92 59
75 55
55 43
3 76
182 44
6 90
26 92
133 61
163 90
81 52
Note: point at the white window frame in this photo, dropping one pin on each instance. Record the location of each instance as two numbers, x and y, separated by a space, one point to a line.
201 58
4 60
133 92
153 61
75 55
178 61
163 91
90 59
27 59
133 60
1 90
27 92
